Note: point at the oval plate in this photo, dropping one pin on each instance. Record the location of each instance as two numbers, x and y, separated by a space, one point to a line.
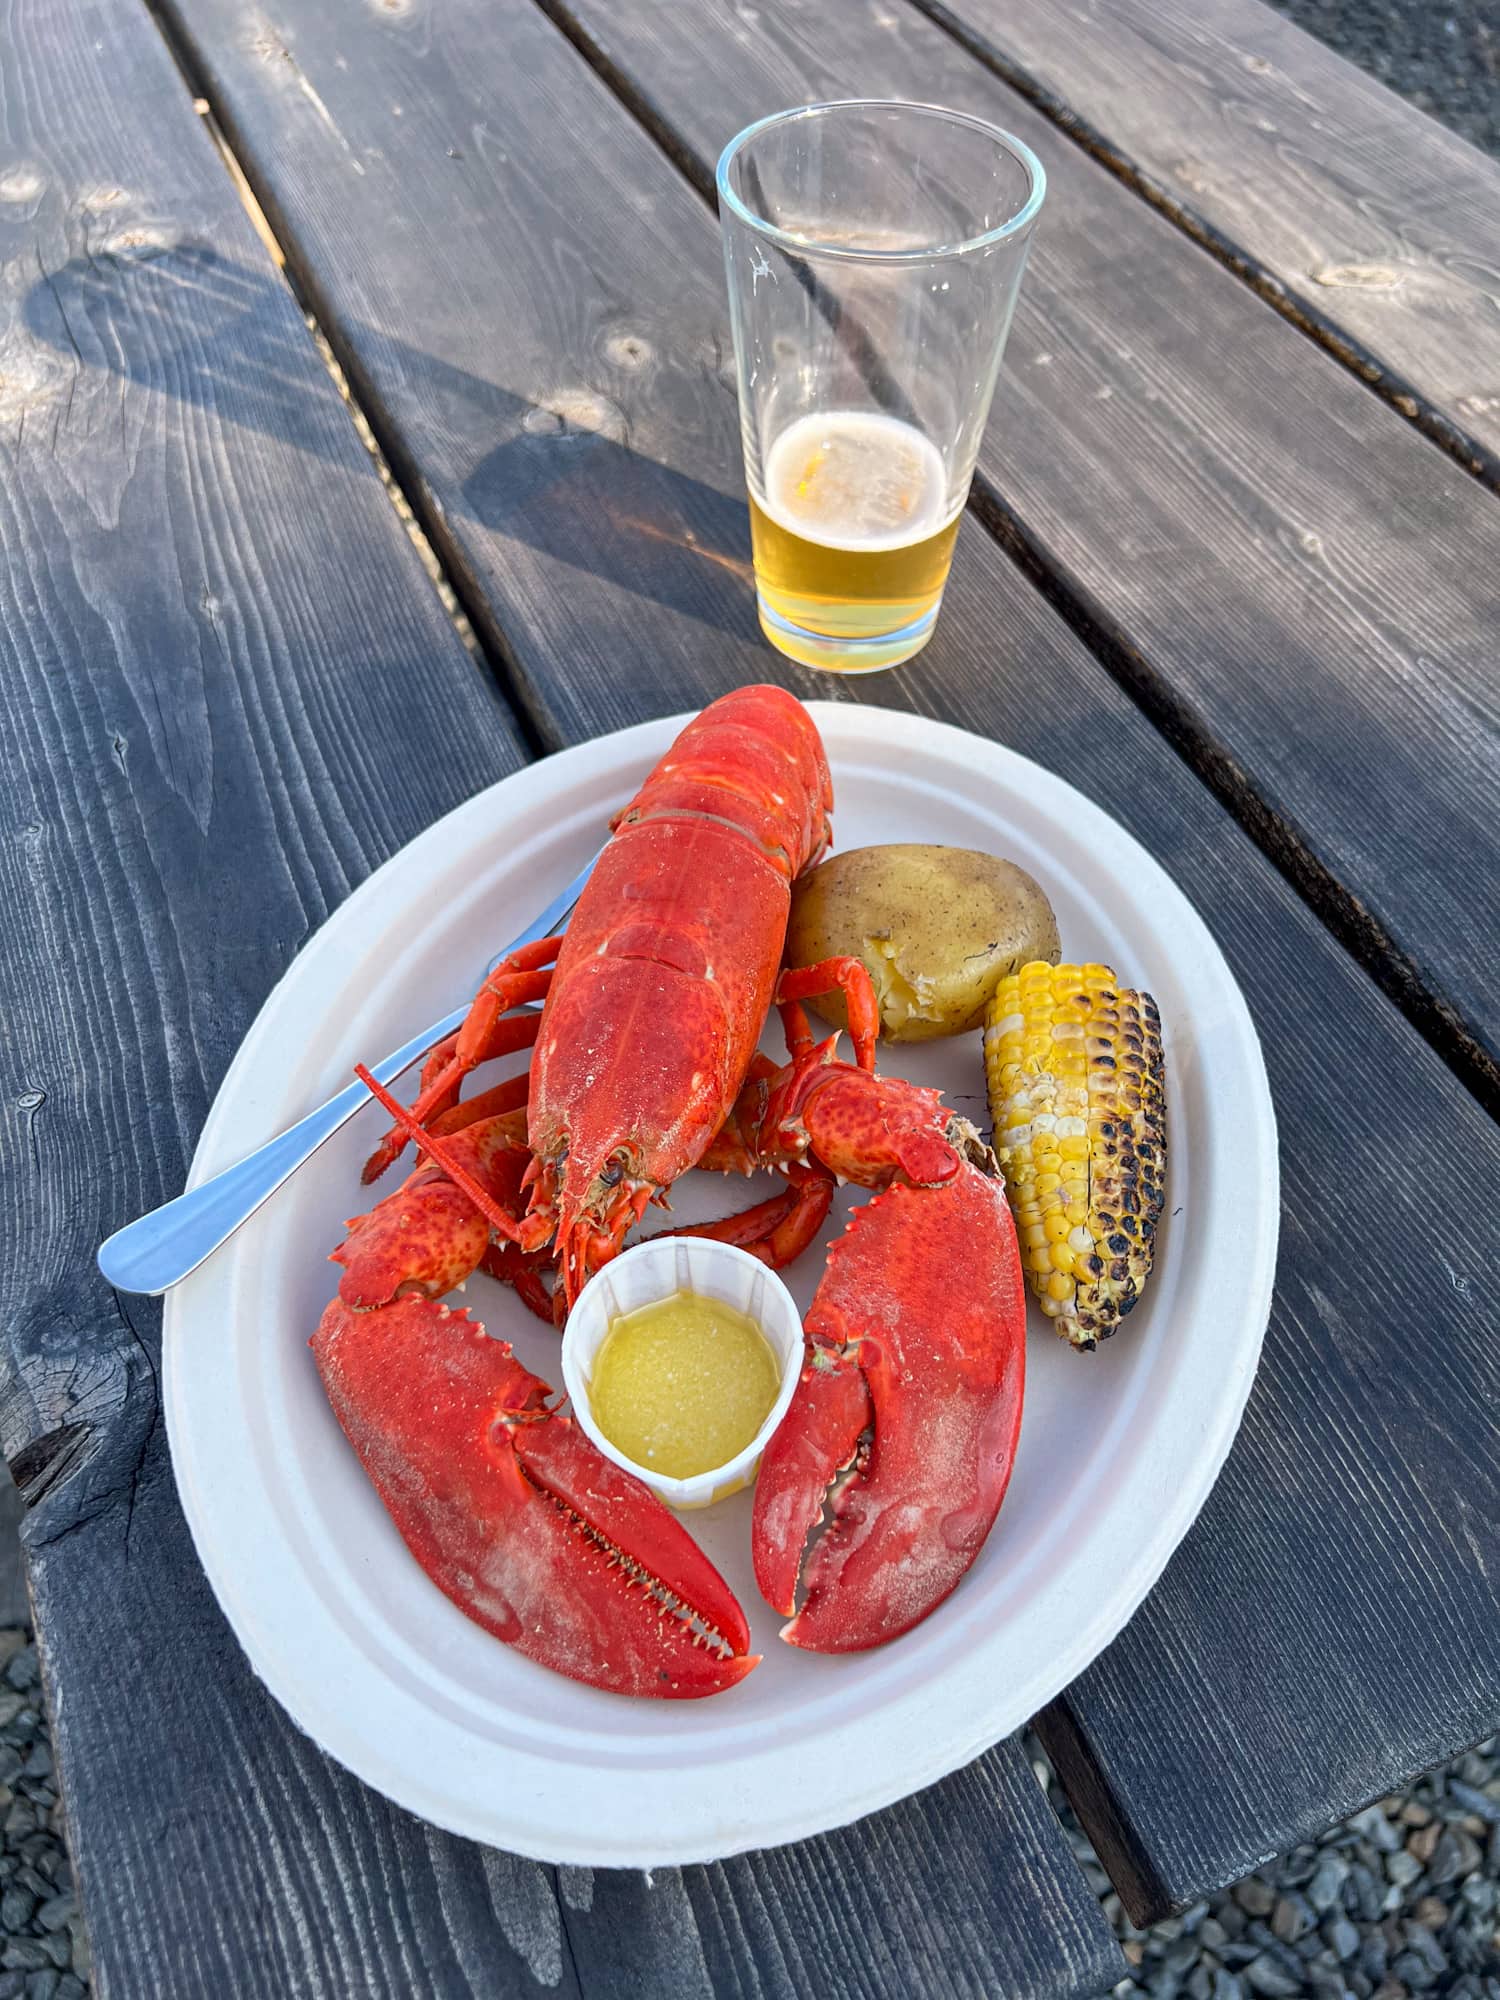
1118 1448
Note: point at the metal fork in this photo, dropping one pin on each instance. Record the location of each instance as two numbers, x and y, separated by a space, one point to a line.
159 1249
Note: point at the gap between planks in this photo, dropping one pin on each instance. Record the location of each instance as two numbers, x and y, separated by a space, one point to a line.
1340 912
1403 397
493 655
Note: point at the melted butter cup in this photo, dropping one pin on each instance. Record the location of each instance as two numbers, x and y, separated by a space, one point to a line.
647 1275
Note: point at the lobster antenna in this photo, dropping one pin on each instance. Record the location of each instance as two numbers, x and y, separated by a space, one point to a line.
438 1150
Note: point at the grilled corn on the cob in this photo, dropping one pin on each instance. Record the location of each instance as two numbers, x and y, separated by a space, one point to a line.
1074 1069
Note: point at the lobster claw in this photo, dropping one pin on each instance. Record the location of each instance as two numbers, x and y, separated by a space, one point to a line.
513 1513
906 1417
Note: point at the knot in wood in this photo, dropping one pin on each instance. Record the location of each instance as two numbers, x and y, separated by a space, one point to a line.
1360 277
22 184
627 350
574 412
139 245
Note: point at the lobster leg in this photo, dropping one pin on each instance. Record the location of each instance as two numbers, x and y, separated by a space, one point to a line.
500 1097
777 1230
522 1272
846 975
515 1516
909 1409
484 1035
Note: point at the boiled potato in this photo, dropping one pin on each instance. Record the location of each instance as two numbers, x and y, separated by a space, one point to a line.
938 928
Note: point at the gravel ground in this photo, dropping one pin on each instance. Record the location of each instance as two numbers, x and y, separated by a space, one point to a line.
44 1953
1445 58
1402 1899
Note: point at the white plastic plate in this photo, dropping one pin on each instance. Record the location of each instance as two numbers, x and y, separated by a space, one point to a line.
1118 1448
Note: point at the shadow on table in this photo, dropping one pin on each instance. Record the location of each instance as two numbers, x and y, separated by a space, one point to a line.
184 321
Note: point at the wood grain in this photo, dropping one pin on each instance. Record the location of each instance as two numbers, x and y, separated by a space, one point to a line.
1296 586
1371 222
1356 1526
229 692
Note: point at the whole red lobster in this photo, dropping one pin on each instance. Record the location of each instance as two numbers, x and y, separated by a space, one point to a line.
645 1065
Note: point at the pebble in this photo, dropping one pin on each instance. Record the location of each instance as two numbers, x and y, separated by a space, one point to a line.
22 1671
1457 1854
1415 1977
1363 1895
1372 1825
1372 1956
1340 1936
1327 1884
1264 1975
1423 1841
1420 1943
1255 1897
1402 1868
1293 1918
1230 1918
1479 1803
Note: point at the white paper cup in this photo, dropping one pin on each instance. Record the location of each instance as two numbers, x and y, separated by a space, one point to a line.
655 1270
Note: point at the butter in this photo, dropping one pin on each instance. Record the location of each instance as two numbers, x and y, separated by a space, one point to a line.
682 1386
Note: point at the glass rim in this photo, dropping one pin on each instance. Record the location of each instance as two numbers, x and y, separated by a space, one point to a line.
812 246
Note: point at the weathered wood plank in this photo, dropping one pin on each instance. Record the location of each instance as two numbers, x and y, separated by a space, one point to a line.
1373 223
1299 588
554 250
230 691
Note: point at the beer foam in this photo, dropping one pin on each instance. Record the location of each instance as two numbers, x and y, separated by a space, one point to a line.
856 479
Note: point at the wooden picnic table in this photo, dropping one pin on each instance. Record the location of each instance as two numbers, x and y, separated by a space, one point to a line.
1232 568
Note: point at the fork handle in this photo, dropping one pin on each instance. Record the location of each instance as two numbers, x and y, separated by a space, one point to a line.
160 1248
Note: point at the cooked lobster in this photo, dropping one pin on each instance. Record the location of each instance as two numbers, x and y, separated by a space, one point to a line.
646 1064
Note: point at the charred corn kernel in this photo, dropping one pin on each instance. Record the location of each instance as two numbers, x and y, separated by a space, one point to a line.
1074 1067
